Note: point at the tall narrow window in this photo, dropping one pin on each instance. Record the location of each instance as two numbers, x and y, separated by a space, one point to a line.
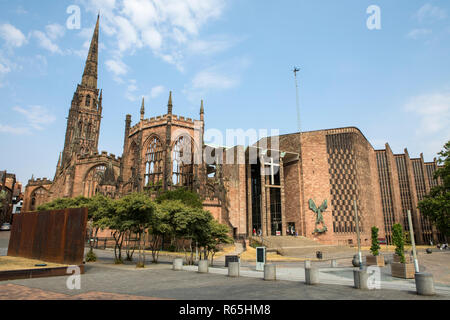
182 158
88 101
153 163
92 180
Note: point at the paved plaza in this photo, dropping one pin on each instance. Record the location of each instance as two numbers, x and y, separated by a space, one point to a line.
105 281
160 282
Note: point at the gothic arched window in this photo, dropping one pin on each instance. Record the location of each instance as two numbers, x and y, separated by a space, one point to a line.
153 163
182 157
92 180
88 101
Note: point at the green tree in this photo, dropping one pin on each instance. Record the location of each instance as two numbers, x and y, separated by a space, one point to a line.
158 228
375 248
188 198
187 223
219 234
98 208
398 239
135 213
436 205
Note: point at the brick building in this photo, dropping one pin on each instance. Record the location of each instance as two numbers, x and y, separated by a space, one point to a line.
12 190
306 183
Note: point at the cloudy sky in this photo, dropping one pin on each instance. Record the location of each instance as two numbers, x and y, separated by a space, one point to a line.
237 55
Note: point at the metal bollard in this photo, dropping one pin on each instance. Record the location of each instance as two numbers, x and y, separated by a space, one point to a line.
424 284
333 263
177 264
311 276
233 269
203 266
270 272
360 278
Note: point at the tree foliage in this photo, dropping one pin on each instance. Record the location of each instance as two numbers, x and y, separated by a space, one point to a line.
187 197
436 205
176 215
399 242
375 248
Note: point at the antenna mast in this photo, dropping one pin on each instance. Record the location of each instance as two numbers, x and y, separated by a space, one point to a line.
299 124
302 213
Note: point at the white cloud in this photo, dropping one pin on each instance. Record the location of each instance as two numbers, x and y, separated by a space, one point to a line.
127 36
20 10
131 89
157 91
45 42
220 77
152 38
12 36
14 130
430 13
117 67
213 46
418 33
142 12
210 79
167 27
433 111
37 117
55 31
4 69
223 76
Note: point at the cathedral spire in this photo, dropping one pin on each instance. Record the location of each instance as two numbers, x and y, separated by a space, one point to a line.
59 161
143 109
90 70
170 105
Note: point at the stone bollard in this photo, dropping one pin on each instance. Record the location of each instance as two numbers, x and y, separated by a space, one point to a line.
270 272
333 263
307 264
361 278
233 269
203 266
311 276
177 264
424 284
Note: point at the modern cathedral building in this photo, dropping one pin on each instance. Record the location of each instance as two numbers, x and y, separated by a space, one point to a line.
307 184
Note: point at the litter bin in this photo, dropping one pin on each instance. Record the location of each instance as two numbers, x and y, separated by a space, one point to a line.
229 259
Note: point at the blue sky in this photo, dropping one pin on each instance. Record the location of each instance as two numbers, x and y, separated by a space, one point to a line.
237 55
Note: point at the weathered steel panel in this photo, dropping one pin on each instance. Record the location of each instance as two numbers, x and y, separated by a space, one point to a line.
53 236
75 222
55 240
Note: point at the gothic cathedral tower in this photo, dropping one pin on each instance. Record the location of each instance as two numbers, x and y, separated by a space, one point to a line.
85 114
